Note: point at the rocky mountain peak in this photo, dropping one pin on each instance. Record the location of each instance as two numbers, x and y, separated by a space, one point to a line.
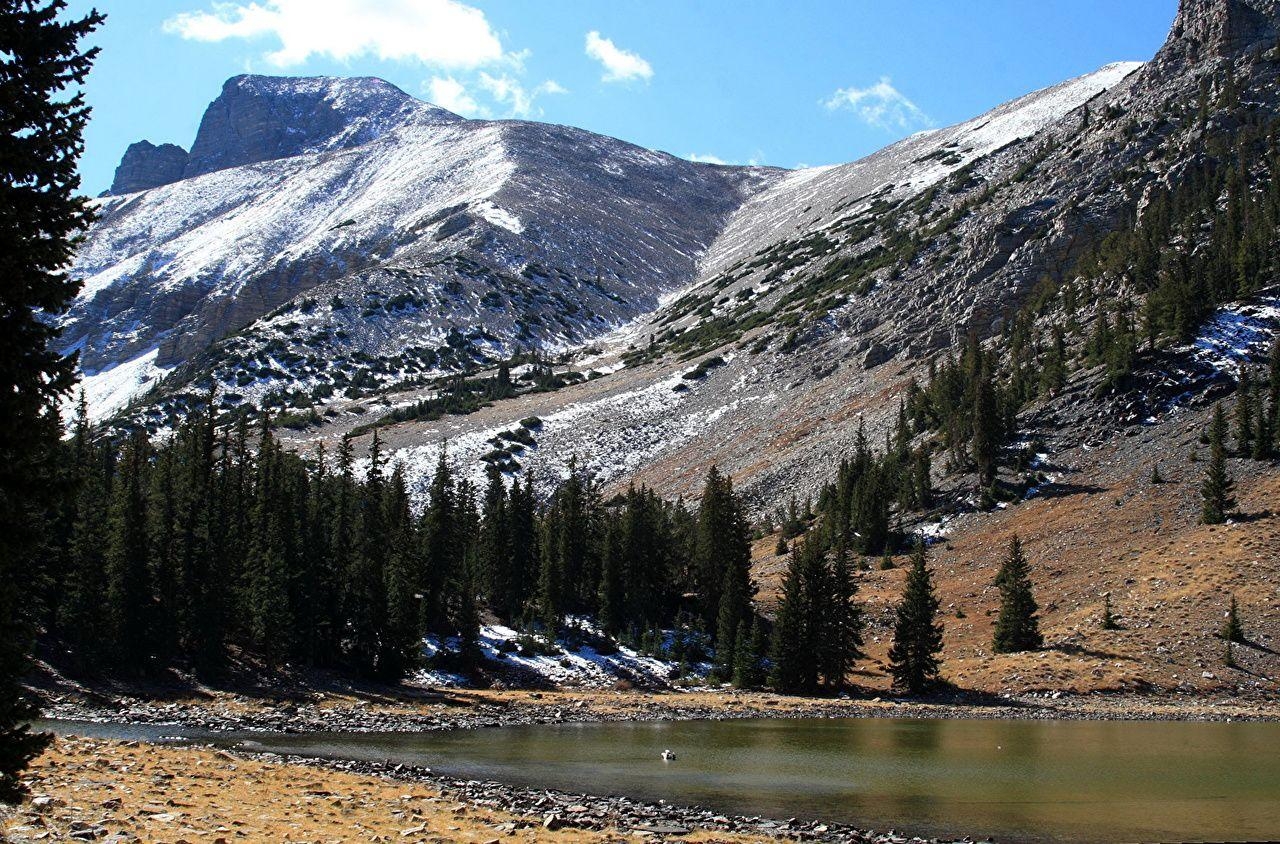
260 118
1205 29
147 166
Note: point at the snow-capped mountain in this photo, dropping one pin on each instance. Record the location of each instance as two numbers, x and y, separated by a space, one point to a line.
420 226
830 289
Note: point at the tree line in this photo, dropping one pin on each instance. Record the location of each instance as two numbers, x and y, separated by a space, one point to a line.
217 537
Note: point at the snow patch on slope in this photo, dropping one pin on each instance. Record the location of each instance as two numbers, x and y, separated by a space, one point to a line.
1238 334
574 665
110 390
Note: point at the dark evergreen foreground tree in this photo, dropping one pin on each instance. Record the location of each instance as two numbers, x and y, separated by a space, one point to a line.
1216 491
1017 627
818 631
917 637
40 217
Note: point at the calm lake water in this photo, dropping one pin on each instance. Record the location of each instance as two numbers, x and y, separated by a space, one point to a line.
1011 780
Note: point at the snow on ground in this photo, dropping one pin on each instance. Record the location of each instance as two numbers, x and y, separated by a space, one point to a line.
908 167
500 217
608 437
1239 333
932 532
110 390
581 665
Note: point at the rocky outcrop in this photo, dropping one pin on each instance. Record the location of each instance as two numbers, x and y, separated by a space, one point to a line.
147 166
260 118
1206 29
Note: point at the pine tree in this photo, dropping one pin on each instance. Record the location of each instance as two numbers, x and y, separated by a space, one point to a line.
722 563
986 428
1216 491
794 664
440 555
1108 618
923 478
400 640
366 602
1244 413
40 217
129 608
843 637
1016 628
495 548
613 578
80 614
917 637
747 672
1232 630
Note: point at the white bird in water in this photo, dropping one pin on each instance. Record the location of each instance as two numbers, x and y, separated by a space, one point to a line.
667 756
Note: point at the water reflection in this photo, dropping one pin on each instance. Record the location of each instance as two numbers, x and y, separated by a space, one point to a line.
1015 780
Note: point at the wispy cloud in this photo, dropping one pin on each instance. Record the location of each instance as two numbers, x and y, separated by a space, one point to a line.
706 158
447 92
881 105
441 33
619 65
518 100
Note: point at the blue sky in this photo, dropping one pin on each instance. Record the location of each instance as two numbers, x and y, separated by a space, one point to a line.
804 82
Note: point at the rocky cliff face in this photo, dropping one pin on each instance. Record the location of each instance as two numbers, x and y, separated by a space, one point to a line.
260 118
1205 29
147 166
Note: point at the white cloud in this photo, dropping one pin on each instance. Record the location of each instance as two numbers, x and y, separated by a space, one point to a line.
511 93
447 92
880 105
441 33
705 158
619 65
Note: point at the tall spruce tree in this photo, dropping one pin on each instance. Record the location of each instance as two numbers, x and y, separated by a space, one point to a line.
747 668
495 557
40 218
917 636
1017 628
791 654
1246 420
1216 491
842 645
722 565
129 602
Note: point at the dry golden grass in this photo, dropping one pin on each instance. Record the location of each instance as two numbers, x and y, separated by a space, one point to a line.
1169 578
164 794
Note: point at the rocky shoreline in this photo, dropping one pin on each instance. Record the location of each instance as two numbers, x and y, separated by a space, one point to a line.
550 809
539 809
320 715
